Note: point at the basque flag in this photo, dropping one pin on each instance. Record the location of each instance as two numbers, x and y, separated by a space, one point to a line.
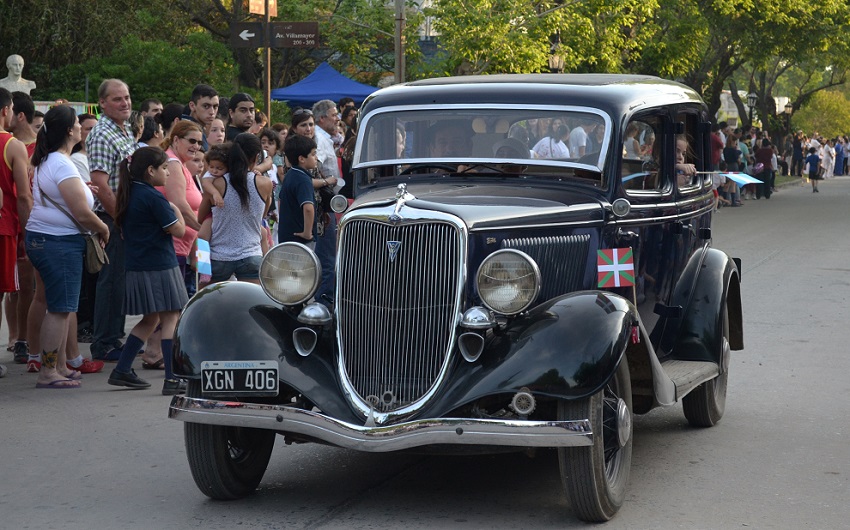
203 253
616 267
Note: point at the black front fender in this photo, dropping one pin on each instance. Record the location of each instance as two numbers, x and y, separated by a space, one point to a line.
565 348
237 321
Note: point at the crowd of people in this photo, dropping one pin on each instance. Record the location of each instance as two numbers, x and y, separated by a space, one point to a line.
149 183
751 150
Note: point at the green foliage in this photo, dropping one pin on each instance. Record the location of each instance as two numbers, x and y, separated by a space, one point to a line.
683 36
828 113
514 36
153 68
162 48
52 34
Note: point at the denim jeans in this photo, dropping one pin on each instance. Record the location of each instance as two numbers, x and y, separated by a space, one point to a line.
58 260
109 297
326 252
244 269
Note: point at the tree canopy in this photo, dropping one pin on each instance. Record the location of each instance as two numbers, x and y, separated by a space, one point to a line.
770 47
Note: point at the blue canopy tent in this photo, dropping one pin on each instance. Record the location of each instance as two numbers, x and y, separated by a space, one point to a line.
323 83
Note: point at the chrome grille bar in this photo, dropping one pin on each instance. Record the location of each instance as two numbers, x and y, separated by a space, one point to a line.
396 314
562 261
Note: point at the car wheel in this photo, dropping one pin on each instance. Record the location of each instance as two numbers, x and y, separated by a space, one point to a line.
595 477
226 462
704 406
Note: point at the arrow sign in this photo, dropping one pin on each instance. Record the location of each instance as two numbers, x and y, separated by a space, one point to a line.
247 35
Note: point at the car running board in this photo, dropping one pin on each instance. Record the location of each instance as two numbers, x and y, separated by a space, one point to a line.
687 375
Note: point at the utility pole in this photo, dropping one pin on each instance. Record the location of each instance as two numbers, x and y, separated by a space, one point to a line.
399 41
267 52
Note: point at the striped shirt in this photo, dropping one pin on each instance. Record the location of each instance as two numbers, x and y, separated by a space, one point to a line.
107 145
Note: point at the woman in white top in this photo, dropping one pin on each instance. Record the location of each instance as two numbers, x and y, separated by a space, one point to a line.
553 145
54 244
828 159
631 147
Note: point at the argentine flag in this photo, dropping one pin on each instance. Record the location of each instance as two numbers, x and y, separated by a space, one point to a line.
203 255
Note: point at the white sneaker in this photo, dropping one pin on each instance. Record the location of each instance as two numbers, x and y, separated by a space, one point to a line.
3 370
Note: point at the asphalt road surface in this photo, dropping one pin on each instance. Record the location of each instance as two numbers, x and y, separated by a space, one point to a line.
101 457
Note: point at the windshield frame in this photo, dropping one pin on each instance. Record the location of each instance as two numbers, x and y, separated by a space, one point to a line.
363 126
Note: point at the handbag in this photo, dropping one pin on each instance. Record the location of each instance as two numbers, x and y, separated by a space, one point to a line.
96 256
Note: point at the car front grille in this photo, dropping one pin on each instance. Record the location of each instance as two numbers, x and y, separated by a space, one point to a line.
397 306
562 261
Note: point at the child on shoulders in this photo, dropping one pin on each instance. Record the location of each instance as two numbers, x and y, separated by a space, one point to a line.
216 159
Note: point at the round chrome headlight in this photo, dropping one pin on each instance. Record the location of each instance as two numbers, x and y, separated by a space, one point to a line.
508 281
290 273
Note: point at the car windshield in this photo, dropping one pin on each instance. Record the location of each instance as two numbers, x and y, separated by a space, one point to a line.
545 142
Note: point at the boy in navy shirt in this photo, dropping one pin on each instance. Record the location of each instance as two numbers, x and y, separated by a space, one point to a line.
297 198
813 160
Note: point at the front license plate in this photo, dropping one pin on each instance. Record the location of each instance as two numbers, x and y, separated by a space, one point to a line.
256 378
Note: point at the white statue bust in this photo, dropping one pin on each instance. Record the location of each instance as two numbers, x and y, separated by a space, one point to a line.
14 82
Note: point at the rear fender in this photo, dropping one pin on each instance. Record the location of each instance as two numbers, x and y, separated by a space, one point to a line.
700 332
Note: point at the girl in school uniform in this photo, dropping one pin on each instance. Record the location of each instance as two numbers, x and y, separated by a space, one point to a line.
154 284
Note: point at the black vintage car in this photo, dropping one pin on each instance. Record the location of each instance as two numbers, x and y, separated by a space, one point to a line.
527 263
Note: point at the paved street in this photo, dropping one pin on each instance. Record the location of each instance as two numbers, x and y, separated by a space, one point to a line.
101 457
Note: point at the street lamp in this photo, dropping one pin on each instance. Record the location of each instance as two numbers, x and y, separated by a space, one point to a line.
752 99
556 60
789 109
556 63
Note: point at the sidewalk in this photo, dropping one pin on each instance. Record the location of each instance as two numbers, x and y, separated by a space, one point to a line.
18 376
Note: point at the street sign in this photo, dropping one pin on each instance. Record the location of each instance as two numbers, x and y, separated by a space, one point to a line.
247 35
258 7
294 34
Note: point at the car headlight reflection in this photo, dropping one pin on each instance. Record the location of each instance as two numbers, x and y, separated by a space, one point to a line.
290 273
508 281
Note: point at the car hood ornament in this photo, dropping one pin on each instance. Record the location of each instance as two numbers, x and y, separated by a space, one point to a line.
401 196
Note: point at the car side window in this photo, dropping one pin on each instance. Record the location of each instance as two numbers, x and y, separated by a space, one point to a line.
689 153
641 155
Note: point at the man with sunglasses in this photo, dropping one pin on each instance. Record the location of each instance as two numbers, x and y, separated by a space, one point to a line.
242 109
109 142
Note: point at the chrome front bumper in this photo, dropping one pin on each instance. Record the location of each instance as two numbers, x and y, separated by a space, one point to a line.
407 435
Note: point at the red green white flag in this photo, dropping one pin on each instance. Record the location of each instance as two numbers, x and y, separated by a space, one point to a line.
616 267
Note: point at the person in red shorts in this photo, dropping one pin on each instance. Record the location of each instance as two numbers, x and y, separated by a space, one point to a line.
17 195
17 305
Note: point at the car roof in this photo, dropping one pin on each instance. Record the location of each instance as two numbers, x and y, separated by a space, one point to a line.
614 93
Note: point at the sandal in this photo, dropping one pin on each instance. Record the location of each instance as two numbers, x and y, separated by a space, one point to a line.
158 365
59 384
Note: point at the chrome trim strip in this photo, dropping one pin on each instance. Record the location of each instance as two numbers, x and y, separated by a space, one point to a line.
490 228
636 208
484 160
407 435
661 219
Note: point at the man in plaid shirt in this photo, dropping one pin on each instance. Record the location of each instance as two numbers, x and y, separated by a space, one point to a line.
110 142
